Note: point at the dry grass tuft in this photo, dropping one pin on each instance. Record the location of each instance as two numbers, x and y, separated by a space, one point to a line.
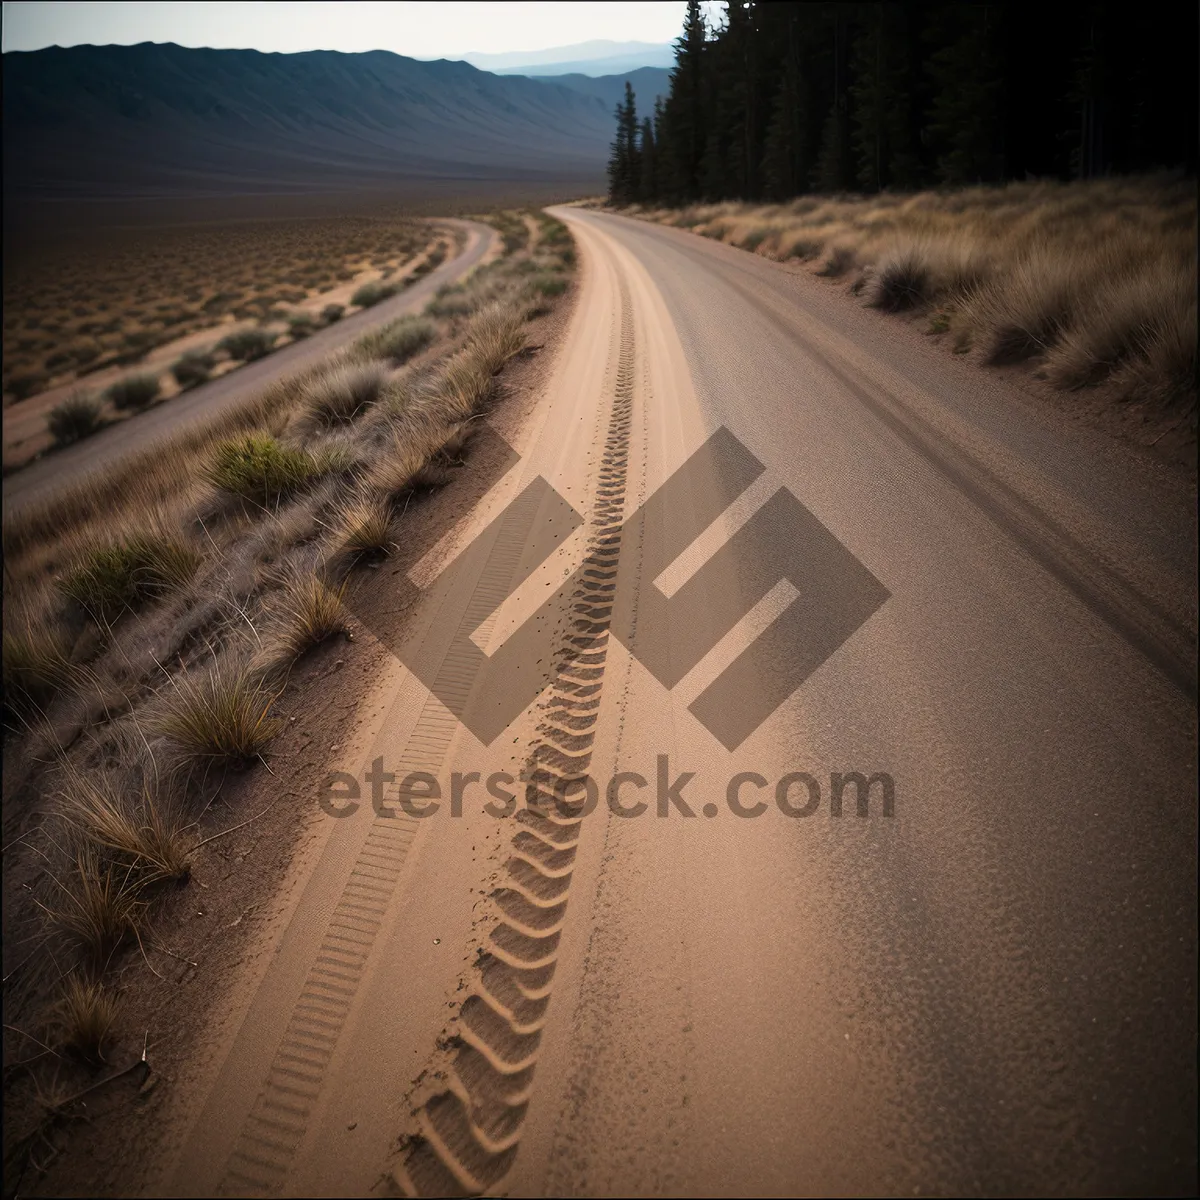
75 418
309 612
365 528
218 717
84 1016
247 344
193 368
901 281
258 468
113 579
497 335
345 392
372 293
137 828
397 341
97 905
133 392
35 668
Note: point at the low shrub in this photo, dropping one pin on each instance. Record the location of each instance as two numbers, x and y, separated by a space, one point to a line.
372 293
301 325
192 368
133 392
247 344
75 418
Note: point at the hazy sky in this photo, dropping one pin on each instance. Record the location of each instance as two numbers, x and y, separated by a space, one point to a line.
419 30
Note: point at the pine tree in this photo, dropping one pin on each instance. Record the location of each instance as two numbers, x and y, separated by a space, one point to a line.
833 171
784 149
681 148
1087 95
965 123
783 156
647 190
880 99
624 168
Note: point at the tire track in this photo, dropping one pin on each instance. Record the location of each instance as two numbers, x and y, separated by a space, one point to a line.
278 1122
469 1133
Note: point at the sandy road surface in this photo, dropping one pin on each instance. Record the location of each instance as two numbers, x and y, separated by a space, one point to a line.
989 991
39 479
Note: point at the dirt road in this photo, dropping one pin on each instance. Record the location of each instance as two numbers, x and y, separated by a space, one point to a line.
981 981
39 479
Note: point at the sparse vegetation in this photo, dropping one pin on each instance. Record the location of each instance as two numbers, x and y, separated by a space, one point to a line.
1096 281
75 418
332 312
133 392
132 292
329 460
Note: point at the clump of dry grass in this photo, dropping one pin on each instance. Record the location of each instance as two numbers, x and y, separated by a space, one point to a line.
75 418
901 281
216 717
35 667
138 827
372 293
398 341
193 368
497 335
246 345
95 904
133 392
84 1016
364 526
308 613
115 578
344 392
259 468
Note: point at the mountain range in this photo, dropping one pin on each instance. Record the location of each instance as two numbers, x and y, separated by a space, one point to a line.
584 58
153 119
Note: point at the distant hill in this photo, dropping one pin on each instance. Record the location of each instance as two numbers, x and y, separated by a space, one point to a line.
584 58
164 119
648 84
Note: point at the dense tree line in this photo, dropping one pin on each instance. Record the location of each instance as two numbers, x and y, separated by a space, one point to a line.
786 98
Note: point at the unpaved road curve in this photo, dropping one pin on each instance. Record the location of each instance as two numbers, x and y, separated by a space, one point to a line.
990 991
39 480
